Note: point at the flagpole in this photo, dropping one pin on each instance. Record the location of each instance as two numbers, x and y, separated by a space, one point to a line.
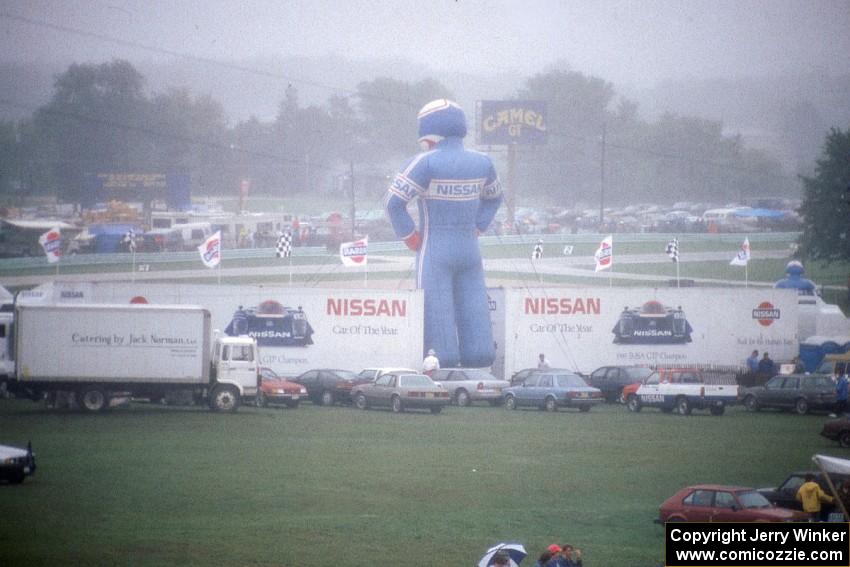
133 267
678 284
290 269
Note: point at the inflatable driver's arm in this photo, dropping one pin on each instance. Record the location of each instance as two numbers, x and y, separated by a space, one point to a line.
409 183
491 198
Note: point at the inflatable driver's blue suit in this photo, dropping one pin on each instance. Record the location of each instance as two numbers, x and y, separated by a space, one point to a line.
459 193
794 279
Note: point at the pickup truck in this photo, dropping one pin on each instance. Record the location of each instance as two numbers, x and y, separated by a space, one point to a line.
682 391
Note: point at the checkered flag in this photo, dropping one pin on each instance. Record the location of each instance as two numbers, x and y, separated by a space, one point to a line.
130 240
673 249
537 254
284 245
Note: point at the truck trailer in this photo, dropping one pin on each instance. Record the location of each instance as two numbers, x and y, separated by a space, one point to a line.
100 352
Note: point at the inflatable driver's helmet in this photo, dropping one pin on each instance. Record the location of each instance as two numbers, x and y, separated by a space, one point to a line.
794 268
440 119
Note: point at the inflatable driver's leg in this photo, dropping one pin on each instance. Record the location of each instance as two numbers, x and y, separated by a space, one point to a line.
474 333
440 324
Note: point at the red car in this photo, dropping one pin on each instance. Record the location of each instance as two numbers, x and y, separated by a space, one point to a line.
719 503
275 389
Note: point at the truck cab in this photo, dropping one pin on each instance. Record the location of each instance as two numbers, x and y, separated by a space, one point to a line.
235 371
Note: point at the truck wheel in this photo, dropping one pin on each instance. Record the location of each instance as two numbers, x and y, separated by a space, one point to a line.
360 401
396 404
683 407
510 402
463 398
751 403
801 406
718 409
327 398
551 404
93 400
224 398
633 403
844 439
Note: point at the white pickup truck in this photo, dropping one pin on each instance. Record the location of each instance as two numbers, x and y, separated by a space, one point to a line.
682 391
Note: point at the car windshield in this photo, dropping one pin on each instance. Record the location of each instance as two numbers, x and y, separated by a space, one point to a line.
752 499
478 374
366 374
638 374
570 381
412 380
345 374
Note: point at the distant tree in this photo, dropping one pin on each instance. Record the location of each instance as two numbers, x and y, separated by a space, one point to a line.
826 202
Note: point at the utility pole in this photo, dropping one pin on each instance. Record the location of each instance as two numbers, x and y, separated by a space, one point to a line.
602 181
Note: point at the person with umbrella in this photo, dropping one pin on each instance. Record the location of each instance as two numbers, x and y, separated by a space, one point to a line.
507 555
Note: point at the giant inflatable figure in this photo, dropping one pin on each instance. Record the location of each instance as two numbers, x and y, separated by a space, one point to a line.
794 279
458 194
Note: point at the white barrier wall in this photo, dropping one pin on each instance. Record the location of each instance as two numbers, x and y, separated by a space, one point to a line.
297 328
583 329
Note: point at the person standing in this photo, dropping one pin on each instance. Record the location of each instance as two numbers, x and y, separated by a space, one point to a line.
766 368
841 391
431 363
753 362
810 495
542 362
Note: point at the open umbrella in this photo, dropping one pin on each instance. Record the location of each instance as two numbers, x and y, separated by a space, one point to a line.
515 551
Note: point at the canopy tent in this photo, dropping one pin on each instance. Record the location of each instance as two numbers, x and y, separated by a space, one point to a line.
815 348
833 465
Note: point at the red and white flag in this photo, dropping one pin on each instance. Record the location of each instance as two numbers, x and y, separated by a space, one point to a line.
605 253
51 241
354 253
210 250
743 255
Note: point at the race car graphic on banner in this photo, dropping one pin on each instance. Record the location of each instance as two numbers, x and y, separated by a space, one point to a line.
272 324
652 323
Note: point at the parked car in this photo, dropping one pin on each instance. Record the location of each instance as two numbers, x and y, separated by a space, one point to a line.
611 379
798 391
838 430
400 391
371 374
718 503
682 390
551 389
275 389
785 495
466 385
327 386
16 463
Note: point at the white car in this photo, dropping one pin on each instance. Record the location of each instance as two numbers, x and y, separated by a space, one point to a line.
466 385
372 374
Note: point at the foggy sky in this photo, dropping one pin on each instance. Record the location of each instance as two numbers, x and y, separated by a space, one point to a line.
637 43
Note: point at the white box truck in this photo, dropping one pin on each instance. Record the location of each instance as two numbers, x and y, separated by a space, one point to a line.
101 351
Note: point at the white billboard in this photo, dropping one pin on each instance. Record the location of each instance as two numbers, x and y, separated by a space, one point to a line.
583 329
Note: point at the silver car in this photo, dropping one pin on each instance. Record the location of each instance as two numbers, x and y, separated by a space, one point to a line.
466 385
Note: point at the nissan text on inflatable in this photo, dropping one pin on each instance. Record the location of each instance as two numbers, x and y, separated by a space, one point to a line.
458 195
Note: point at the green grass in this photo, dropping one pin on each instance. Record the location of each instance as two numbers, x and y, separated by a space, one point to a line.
150 485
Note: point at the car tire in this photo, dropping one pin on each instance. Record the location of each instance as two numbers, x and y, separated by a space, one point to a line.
683 406
584 409
396 405
224 398
801 406
261 400
718 409
327 398
360 401
462 398
751 403
436 409
550 404
93 400
510 402
633 403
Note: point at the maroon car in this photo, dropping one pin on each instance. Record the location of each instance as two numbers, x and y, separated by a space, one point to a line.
719 503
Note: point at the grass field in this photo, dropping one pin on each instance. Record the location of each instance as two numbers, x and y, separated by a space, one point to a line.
152 485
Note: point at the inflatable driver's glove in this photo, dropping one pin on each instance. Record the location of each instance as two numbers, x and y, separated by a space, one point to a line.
413 241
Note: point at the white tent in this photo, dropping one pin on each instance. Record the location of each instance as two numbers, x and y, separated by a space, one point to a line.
833 465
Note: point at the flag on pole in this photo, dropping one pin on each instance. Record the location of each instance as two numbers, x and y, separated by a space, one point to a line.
354 253
673 249
743 255
210 250
51 242
537 253
568 250
130 240
284 245
605 253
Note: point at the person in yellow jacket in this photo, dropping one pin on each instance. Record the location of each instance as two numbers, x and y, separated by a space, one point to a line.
810 495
